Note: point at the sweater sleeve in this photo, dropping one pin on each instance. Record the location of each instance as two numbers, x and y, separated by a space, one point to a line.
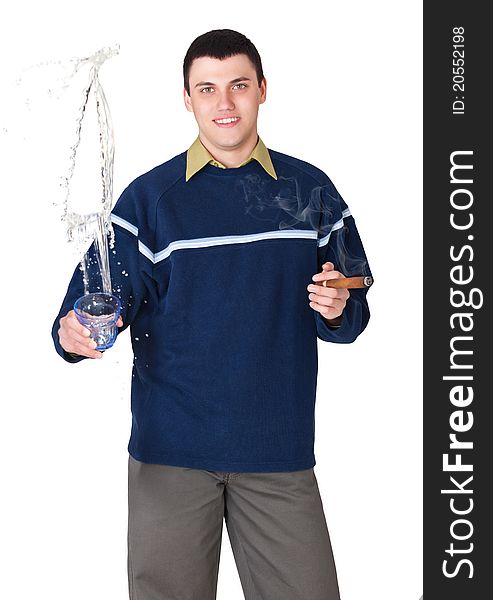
131 272
339 242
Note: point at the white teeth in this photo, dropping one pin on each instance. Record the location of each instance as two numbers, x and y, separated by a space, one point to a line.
232 120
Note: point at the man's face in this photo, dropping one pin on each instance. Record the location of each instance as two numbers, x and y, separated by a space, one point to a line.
225 89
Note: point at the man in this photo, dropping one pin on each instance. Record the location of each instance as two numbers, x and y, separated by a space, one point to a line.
215 253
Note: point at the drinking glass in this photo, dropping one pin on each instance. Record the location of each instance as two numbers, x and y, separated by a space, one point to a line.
99 312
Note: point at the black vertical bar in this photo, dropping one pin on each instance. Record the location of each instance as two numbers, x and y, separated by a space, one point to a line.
458 237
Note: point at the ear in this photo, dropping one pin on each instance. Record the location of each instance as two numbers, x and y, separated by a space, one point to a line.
263 91
187 100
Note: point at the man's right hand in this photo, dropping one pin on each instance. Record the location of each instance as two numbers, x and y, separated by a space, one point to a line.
75 338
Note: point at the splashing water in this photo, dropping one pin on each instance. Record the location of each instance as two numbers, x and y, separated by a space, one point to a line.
82 227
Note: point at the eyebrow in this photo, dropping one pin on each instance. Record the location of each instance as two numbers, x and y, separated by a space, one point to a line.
237 80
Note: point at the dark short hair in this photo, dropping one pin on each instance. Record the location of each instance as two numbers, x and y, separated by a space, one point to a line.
221 43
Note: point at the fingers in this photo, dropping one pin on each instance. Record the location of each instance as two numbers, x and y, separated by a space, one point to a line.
329 312
327 296
327 292
327 272
338 302
324 295
329 302
119 323
75 338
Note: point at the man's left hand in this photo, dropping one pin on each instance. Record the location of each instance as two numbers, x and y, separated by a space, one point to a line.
329 302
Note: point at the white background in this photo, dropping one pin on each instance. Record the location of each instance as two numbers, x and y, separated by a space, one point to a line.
343 92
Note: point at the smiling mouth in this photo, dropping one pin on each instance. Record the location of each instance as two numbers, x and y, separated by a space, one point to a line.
226 121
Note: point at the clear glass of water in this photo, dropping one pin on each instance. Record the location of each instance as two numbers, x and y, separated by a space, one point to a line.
99 312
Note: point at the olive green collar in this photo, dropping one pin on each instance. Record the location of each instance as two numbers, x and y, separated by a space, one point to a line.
198 156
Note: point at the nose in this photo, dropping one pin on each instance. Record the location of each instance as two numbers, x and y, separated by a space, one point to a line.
225 100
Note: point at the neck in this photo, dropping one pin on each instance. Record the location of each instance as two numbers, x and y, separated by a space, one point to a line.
231 157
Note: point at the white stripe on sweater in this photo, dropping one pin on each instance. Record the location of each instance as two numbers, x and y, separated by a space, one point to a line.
208 242
325 240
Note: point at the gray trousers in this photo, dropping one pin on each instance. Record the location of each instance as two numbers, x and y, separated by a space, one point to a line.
275 522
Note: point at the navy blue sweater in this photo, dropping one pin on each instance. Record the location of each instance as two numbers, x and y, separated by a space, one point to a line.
212 274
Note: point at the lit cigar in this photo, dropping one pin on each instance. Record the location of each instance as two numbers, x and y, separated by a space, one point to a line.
347 282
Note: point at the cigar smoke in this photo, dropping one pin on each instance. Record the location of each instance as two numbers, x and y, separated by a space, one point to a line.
321 208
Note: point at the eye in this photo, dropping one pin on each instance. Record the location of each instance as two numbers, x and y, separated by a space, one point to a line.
206 90
243 85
